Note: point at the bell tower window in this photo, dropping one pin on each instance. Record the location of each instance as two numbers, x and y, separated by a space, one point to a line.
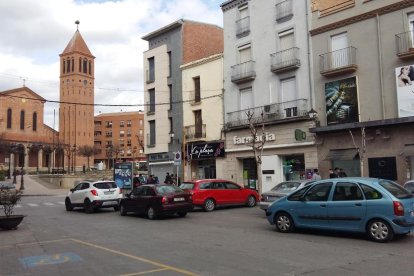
85 66
90 68
80 65
68 65
64 66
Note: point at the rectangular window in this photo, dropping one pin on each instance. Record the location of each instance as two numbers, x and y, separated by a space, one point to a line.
340 56
197 96
152 132
246 98
22 120
169 63
289 96
122 123
9 118
151 70
151 107
198 124
245 53
170 95
129 123
286 40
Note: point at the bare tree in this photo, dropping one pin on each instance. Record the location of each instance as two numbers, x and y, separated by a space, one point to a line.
361 149
87 151
257 142
141 143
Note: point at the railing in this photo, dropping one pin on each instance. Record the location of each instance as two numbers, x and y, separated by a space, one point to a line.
243 26
150 140
195 132
150 76
341 59
273 112
284 9
405 44
150 107
285 60
243 72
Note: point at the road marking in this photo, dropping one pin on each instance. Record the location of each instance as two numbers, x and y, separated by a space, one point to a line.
33 204
182 271
33 261
145 272
48 204
61 202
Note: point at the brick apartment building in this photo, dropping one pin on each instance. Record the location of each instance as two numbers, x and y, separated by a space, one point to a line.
119 137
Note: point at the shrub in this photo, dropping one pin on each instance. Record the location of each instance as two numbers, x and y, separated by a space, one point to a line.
9 199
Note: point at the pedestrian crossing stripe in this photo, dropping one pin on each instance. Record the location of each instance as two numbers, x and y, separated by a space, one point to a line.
48 204
32 204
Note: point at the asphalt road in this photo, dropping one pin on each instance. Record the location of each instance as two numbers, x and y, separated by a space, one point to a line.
231 241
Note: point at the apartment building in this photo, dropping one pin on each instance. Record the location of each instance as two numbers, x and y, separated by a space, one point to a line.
119 137
267 72
363 56
203 117
169 47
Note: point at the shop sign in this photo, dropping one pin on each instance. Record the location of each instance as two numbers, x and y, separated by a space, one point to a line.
249 139
206 150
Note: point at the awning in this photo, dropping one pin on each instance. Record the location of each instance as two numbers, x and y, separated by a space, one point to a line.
342 154
408 150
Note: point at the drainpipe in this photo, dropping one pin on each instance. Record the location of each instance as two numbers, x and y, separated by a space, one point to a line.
309 57
380 67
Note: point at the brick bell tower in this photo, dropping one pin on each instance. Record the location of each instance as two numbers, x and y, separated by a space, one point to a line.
76 112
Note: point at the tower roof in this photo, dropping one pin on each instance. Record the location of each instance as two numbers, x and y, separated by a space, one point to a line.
77 44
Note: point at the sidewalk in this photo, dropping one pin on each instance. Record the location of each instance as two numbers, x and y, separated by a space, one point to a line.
35 187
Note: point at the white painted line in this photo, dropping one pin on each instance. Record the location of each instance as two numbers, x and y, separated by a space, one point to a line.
48 204
32 204
61 202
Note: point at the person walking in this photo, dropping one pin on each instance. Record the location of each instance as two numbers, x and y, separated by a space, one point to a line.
332 174
168 179
342 173
316 176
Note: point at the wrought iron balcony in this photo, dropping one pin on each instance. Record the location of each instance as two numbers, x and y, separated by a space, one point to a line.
284 10
285 111
243 72
285 60
195 132
243 26
405 45
338 62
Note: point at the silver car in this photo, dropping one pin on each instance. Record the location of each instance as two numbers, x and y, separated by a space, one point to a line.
280 190
409 185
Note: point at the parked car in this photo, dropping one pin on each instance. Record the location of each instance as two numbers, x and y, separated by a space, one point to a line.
92 195
380 208
209 193
280 190
155 200
409 185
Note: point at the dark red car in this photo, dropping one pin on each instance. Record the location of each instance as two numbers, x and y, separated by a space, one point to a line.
155 200
209 193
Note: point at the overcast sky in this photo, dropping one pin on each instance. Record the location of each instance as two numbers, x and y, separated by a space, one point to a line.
35 32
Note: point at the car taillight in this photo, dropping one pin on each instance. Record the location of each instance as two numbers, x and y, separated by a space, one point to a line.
398 208
164 200
94 192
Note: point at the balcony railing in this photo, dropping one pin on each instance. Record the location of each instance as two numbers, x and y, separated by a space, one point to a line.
338 62
285 60
243 26
405 44
150 140
195 132
150 107
284 10
285 111
150 76
243 72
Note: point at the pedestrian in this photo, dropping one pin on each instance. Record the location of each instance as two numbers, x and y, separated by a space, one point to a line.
316 176
168 179
332 174
150 180
342 173
136 181
173 180
155 179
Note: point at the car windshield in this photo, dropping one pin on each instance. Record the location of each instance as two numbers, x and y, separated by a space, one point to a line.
286 187
187 186
105 185
168 189
395 189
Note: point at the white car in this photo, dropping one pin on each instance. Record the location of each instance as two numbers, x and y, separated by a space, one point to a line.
409 185
92 195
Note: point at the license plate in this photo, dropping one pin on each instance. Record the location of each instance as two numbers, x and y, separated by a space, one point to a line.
106 203
109 193
178 199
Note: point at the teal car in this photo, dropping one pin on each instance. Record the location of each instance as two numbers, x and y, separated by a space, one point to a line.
378 207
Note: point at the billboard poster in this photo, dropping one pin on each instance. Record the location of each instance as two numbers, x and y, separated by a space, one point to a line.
341 98
123 175
404 77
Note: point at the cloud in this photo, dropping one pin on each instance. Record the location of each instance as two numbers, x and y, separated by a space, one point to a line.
35 32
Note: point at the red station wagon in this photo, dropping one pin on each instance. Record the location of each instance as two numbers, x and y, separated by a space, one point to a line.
209 193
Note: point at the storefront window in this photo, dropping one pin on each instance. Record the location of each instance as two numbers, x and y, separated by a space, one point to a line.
249 173
294 167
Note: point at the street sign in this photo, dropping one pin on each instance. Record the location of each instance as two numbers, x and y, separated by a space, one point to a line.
177 158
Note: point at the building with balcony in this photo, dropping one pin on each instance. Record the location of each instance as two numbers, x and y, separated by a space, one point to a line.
119 137
169 47
203 117
267 75
363 86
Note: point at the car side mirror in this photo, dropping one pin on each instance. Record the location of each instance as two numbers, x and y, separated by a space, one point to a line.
72 190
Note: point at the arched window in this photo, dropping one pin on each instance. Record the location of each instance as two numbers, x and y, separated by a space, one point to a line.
90 68
9 118
68 66
73 64
34 121
85 66
64 66
80 65
22 120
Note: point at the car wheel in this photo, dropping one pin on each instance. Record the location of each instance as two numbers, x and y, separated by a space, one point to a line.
380 231
182 214
209 205
251 201
151 214
68 204
284 223
122 210
88 206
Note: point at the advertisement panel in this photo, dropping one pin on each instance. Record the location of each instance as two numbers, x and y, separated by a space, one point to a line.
404 77
341 98
123 175
205 150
